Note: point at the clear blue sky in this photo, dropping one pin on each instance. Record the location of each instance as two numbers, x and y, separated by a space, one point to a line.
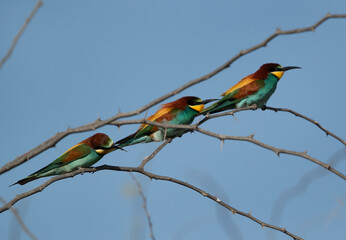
78 59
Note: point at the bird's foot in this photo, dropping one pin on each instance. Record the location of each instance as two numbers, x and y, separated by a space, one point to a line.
82 169
189 131
254 106
264 107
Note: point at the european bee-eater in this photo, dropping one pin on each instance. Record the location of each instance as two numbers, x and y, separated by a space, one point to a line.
253 89
182 111
84 154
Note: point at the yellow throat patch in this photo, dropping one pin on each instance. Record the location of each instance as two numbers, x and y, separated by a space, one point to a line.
198 108
104 151
278 74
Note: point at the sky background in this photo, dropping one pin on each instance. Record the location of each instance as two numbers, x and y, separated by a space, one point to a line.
78 59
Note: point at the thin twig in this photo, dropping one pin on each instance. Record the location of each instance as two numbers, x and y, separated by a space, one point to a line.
51 142
308 119
16 38
20 221
140 190
157 150
151 176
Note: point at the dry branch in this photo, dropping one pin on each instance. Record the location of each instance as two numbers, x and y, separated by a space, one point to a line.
308 119
223 137
151 176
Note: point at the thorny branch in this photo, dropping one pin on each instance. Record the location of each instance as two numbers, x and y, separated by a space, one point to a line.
51 142
222 137
20 221
151 176
16 38
140 190
308 119
254 107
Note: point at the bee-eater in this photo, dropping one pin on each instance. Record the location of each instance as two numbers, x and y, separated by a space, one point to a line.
182 111
253 89
84 154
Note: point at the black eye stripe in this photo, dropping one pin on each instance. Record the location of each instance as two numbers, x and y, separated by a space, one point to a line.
102 148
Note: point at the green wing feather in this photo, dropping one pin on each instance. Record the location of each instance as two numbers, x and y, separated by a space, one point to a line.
226 101
69 156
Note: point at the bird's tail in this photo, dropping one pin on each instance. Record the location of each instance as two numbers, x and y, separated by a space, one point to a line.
210 109
25 180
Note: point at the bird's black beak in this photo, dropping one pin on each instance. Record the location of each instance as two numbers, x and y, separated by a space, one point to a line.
209 100
289 68
115 147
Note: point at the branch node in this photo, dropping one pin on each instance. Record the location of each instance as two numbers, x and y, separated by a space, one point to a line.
278 30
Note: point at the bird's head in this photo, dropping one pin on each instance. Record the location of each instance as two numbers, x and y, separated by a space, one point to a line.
272 68
101 143
194 103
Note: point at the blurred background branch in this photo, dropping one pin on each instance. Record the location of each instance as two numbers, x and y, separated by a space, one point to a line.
20 221
145 207
19 34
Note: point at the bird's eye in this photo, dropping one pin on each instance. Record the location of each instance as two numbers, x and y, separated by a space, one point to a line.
197 102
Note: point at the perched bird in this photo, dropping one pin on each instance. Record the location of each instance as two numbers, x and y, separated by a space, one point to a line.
182 111
253 89
84 154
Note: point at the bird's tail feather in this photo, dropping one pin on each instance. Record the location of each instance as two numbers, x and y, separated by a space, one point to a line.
25 180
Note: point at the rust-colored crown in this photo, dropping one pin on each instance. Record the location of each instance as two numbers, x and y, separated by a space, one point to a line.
263 71
180 103
97 140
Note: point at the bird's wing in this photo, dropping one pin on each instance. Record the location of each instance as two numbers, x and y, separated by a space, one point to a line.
244 88
242 83
163 114
74 153
235 94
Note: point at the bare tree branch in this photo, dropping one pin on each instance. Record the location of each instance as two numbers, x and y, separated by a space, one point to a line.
147 159
140 190
20 221
254 107
308 119
16 38
223 137
151 176
51 142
